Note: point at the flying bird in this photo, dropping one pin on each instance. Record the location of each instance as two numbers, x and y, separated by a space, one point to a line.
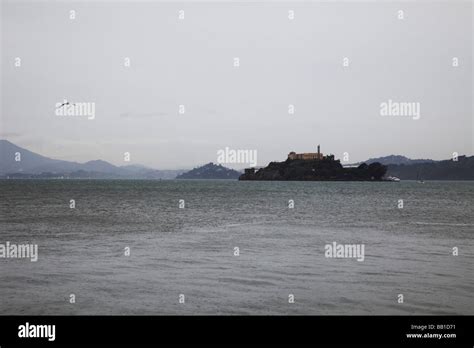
65 103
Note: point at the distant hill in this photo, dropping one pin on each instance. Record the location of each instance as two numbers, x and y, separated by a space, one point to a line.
210 171
463 169
33 165
396 159
30 162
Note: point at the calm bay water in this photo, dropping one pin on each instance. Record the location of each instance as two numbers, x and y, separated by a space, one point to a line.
190 251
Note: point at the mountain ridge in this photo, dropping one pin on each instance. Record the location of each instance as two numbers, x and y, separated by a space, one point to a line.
33 165
395 159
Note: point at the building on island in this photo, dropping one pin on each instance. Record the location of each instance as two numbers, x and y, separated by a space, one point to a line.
308 156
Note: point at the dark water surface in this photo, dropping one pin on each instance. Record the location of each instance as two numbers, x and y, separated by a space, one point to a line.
190 251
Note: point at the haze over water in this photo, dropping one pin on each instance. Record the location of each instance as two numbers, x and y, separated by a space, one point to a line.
190 251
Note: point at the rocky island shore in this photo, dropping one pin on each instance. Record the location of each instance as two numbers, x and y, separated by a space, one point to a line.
315 167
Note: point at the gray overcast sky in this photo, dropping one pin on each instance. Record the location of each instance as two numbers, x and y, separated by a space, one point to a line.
282 62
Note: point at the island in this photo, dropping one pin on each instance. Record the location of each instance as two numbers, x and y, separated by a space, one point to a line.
314 166
210 171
